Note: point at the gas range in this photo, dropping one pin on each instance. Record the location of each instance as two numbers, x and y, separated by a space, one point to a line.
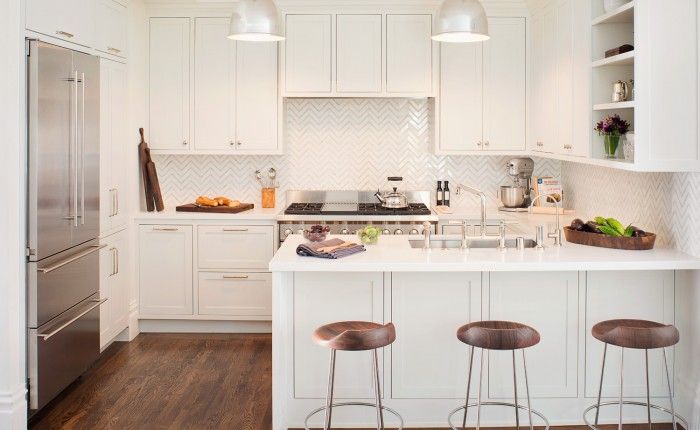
345 212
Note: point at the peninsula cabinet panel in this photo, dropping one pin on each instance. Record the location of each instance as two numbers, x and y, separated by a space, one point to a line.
322 298
169 84
358 53
235 294
427 359
635 295
409 54
308 54
552 364
165 270
235 247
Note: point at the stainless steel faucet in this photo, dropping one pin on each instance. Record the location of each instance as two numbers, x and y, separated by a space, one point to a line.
465 239
558 232
482 196
502 236
427 230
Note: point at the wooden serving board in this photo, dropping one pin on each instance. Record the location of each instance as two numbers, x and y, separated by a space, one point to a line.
191 207
604 241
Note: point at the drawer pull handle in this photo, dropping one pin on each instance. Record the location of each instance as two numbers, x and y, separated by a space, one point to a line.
116 50
235 276
235 229
165 229
95 303
65 33
70 259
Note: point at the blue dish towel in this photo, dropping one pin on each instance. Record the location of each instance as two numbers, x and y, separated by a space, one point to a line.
311 249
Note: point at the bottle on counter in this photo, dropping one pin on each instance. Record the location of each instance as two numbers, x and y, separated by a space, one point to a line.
446 194
438 193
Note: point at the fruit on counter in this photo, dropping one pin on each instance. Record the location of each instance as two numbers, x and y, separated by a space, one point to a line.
369 235
607 226
319 229
316 233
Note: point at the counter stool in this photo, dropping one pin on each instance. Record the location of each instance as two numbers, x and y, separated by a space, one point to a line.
503 336
635 334
354 336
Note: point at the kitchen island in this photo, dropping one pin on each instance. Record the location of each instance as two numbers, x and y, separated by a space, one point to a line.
562 292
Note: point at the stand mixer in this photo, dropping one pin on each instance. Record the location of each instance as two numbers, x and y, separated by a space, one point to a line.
516 197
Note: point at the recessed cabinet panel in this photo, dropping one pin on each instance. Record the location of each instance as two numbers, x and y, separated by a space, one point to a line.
235 294
308 54
214 83
241 247
461 96
115 276
409 54
359 53
169 83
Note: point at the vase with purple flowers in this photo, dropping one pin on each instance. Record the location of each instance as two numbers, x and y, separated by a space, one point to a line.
612 128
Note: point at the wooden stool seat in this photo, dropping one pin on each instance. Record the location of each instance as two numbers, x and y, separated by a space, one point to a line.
498 335
636 334
355 335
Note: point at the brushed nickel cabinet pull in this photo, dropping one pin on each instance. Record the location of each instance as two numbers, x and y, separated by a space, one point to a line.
70 259
234 229
115 50
95 303
166 229
65 33
235 277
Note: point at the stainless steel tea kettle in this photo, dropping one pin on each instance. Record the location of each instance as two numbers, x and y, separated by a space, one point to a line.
392 199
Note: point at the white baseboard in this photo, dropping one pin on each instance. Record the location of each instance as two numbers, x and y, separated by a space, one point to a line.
133 323
13 410
194 326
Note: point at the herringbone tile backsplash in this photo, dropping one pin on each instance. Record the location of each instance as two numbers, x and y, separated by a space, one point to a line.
339 144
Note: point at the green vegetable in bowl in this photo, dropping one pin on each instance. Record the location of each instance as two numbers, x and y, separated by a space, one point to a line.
369 235
613 227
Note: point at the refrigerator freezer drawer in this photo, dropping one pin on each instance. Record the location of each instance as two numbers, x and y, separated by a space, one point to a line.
61 350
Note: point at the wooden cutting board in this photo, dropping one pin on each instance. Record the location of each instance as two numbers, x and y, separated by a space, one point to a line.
191 207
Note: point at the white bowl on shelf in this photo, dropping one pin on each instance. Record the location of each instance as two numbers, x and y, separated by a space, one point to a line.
610 5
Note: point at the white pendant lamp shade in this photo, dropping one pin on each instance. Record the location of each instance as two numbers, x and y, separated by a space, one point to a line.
258 21
461 21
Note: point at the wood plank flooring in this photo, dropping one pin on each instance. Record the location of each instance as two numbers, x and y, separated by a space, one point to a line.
181 381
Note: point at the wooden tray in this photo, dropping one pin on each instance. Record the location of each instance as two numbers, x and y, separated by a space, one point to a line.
604 241
191 207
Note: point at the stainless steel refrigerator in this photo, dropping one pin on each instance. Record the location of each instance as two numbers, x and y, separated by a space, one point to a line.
63 326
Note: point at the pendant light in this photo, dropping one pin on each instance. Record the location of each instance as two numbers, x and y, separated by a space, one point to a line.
257 21
461 21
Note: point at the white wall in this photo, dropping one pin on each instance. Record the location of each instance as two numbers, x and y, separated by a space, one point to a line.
12 292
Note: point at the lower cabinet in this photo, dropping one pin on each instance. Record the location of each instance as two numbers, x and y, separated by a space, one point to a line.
114 286
235 294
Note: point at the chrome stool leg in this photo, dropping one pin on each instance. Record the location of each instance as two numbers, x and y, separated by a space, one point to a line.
670 392
377 392
329 396
622 380
527 392
481 377
646 370
600 388
469 382
515 395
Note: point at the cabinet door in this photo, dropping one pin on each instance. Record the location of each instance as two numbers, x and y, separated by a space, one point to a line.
358 53
169 83
544 70
70 20
461 97
551 364
635 295
114 286
427 360
308 54
165 269
235 247
111 18
256 97
235 294
504 85
564 69
214 85
409 54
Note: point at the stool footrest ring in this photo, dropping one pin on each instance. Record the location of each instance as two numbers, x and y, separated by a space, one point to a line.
629 402
335 405
512 405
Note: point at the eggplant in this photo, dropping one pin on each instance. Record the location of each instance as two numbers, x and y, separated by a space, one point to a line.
592 227
578 224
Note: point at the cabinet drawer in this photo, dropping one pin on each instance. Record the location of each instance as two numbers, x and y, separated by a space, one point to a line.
234 247
235 294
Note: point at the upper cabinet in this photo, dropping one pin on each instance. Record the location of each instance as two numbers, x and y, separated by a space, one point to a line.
111 19
481 84
230 87
358 55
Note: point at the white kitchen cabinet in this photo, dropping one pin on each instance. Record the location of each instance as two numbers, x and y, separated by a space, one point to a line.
409 54
551 364
111 19
480 85
545 82
234 247
256 98
359 53
114 286
169 84
237 294
308 54
165 270
214 86
113 146
322 299
634 295
70 20
564 84
427 360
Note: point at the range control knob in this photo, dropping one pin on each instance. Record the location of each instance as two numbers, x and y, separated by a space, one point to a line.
354 232
398 231
414 231
386 231
288 231
344 231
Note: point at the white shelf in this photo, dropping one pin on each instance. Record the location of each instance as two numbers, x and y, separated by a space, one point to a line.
618 60
613 106
623 14
615 163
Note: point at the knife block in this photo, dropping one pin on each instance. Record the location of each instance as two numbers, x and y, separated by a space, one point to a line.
268 198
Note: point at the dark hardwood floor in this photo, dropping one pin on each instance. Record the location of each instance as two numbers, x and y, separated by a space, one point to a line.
181 381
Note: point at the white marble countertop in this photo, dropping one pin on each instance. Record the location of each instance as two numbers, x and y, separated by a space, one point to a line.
255 214
394 254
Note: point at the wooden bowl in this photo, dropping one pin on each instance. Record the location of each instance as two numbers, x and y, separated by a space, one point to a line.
643 243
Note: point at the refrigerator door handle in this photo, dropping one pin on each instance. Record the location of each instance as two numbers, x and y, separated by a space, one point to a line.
82 150
70 259
75 148
95 303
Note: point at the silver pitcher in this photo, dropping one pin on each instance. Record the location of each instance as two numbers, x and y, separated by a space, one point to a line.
621 91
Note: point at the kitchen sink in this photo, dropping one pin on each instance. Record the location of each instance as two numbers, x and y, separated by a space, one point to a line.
473 244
